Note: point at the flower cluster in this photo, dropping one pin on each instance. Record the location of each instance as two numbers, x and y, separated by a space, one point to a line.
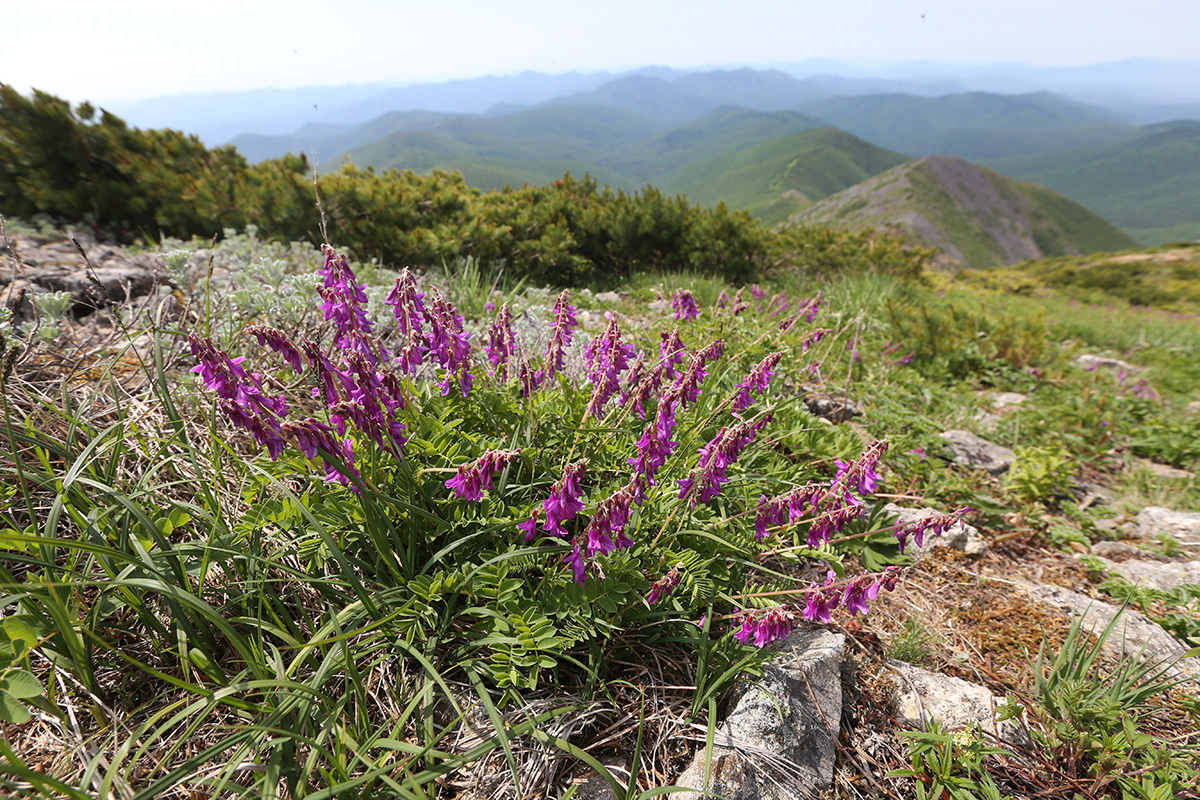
564 501
758 381
859 474
704 482
606 529
607 358
688 382
787 508
763 626
448 343
316 440
345 304
408 306
656 444
240 394
502 344
684 303
475 477
932 525
664 586
560 337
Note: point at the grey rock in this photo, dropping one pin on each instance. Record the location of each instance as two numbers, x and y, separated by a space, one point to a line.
1192 407
658 305
973 451
1091 362
1181 525
1120 551
777 742
1133 635
987 422
608 297
959 536
58 267
1160 575
835 408
922 696
1006 400
1166 471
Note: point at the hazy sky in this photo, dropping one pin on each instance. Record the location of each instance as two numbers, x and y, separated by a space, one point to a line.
130 49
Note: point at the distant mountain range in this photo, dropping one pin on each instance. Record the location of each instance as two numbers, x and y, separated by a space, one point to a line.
776 142
975 216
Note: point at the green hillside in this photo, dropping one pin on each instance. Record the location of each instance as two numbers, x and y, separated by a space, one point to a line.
777 178
973 125
1149 186
975 216
722 130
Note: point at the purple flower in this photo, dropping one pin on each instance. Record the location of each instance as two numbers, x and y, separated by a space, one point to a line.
656 446
664 586
671 353
765 625
704 482
606 358
688 383
860 473
345 304
561 336
530 526
576 562
684 304
758 381
606 530
502 344
812 337
278 342
919 452
475 477
409 309
448 343
564 501
787 508
933 525
315 439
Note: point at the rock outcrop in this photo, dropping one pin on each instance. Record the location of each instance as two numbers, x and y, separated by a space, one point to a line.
777 742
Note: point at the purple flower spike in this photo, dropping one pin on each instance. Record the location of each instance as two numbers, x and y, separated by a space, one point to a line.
409 309
316 440
564 501
704 482
345 304
766 625
606 530
562 335
671 353
933 525
530 526
688 383
758 381
448 343
664 586
607 359
475 477
684 304
278 342
502 344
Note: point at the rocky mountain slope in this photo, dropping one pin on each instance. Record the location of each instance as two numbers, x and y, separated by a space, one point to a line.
976 217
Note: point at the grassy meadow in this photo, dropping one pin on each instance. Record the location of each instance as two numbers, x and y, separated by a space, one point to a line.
452 534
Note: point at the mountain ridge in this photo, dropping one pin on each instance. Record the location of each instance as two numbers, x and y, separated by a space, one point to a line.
975 216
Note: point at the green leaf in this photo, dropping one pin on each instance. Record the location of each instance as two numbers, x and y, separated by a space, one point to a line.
12 710
21 684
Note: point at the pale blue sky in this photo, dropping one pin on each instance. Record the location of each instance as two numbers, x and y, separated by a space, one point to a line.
130 49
